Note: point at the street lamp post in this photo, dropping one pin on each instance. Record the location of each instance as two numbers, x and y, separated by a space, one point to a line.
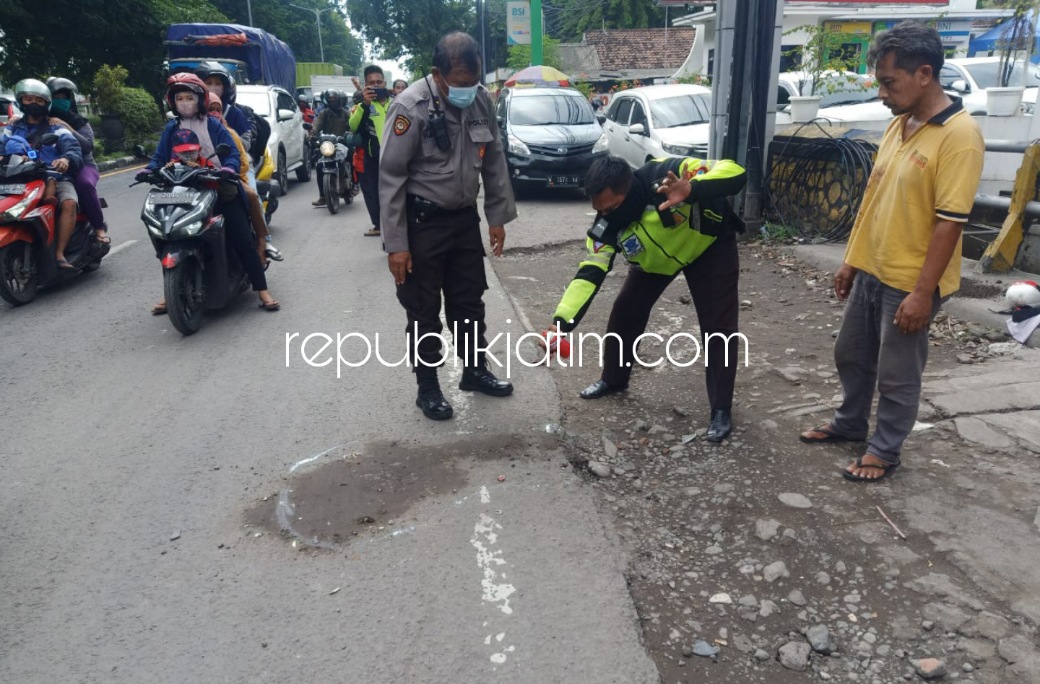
317 19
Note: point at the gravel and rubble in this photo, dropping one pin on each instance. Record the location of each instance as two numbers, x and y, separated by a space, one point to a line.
753 560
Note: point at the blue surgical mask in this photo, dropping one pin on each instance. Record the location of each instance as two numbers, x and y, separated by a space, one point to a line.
462 97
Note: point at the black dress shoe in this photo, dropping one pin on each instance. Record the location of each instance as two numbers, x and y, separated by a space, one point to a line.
480 379
721 425
600 389
433 404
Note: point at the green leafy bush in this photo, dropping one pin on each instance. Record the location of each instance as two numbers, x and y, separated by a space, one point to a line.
140 115
108 84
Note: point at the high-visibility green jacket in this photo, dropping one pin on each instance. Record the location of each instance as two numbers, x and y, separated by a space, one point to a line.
368 122
659 242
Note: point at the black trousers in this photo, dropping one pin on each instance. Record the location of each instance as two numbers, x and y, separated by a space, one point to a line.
369 182
447 257
712 280
242 241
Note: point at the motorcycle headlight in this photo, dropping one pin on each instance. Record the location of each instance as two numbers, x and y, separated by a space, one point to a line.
15 212
327 149
517 146
602 145
191 229
680 150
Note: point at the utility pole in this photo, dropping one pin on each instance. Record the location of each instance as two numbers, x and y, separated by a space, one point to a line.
481 9
536 32
249 11
317 19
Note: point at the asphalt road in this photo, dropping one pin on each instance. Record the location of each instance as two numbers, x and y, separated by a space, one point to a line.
149 481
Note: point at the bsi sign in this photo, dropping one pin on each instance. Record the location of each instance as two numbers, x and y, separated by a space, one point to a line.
518 22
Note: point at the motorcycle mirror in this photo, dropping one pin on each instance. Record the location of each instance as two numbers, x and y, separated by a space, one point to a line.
307 126
139 152
49 139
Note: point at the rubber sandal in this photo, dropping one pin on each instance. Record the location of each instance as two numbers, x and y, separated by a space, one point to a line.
373 232
159 310
65 265
832 437
885 468
103 240
270 306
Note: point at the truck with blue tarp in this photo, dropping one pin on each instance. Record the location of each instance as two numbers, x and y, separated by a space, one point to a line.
252 55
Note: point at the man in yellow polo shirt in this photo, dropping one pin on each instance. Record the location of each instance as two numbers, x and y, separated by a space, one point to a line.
367 119
904 254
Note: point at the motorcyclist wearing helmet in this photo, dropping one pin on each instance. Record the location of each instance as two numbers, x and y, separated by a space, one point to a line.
331 120
65 156
63 108
186 96
305 109
221 83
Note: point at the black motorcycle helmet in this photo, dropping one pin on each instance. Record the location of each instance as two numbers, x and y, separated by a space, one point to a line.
303 100
209 69
335 99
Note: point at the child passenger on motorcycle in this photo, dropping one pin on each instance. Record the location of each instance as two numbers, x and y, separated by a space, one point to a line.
186 97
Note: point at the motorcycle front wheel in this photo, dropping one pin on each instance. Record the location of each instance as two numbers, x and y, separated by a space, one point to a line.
328 188
183 299
18 277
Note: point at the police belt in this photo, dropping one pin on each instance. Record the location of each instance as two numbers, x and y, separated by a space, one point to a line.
421 209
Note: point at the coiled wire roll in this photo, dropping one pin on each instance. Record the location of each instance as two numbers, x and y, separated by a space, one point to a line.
816 185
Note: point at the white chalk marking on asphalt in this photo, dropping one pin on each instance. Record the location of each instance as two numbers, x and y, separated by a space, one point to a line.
312 459
485 496
484 537
121 246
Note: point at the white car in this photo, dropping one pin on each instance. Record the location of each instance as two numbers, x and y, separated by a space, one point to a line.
287 144
968 78
848 97
657 121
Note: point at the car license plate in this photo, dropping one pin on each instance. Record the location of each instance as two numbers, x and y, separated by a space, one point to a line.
564 181
172 197
12 189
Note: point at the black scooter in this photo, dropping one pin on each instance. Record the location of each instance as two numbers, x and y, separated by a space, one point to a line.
333 159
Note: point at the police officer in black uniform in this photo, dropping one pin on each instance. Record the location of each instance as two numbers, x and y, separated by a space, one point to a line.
441 139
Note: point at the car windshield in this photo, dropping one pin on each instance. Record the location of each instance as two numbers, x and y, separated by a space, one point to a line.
986 74
681 110
845 90
258 102
546 110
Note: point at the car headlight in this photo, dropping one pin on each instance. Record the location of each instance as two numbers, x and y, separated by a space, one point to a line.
517 146
602 145
681 150
16 211
327 149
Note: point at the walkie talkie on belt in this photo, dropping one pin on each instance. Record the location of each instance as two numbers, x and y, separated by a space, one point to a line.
438 124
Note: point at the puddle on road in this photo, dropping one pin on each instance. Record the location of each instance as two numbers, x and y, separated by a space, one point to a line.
344 494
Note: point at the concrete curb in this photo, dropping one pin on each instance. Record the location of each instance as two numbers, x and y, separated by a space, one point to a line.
120 163
977 300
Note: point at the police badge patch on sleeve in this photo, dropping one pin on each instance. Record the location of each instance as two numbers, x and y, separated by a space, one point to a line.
631 246
401 124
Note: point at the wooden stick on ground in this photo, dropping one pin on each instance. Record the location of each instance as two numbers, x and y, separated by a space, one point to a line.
889 521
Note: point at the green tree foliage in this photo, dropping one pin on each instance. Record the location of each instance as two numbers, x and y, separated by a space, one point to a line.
140 115
569 19
299 29
408 29
73 38
520 55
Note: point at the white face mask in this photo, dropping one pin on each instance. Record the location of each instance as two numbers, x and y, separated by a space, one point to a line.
217 90
187 109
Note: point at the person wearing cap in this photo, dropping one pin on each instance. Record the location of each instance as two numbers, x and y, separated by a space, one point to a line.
186 97
65 156
63 108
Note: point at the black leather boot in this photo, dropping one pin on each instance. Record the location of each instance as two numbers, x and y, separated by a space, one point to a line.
479 379
721 425
600 389
432 402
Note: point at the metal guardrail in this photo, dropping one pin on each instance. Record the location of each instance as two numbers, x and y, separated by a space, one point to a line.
1010 146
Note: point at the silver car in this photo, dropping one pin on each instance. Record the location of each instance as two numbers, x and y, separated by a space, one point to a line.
287 145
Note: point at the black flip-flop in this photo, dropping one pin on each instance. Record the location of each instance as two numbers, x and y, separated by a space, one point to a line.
885 468
103 240
831 438
66 266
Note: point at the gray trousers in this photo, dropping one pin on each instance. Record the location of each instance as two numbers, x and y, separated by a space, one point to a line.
870 352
